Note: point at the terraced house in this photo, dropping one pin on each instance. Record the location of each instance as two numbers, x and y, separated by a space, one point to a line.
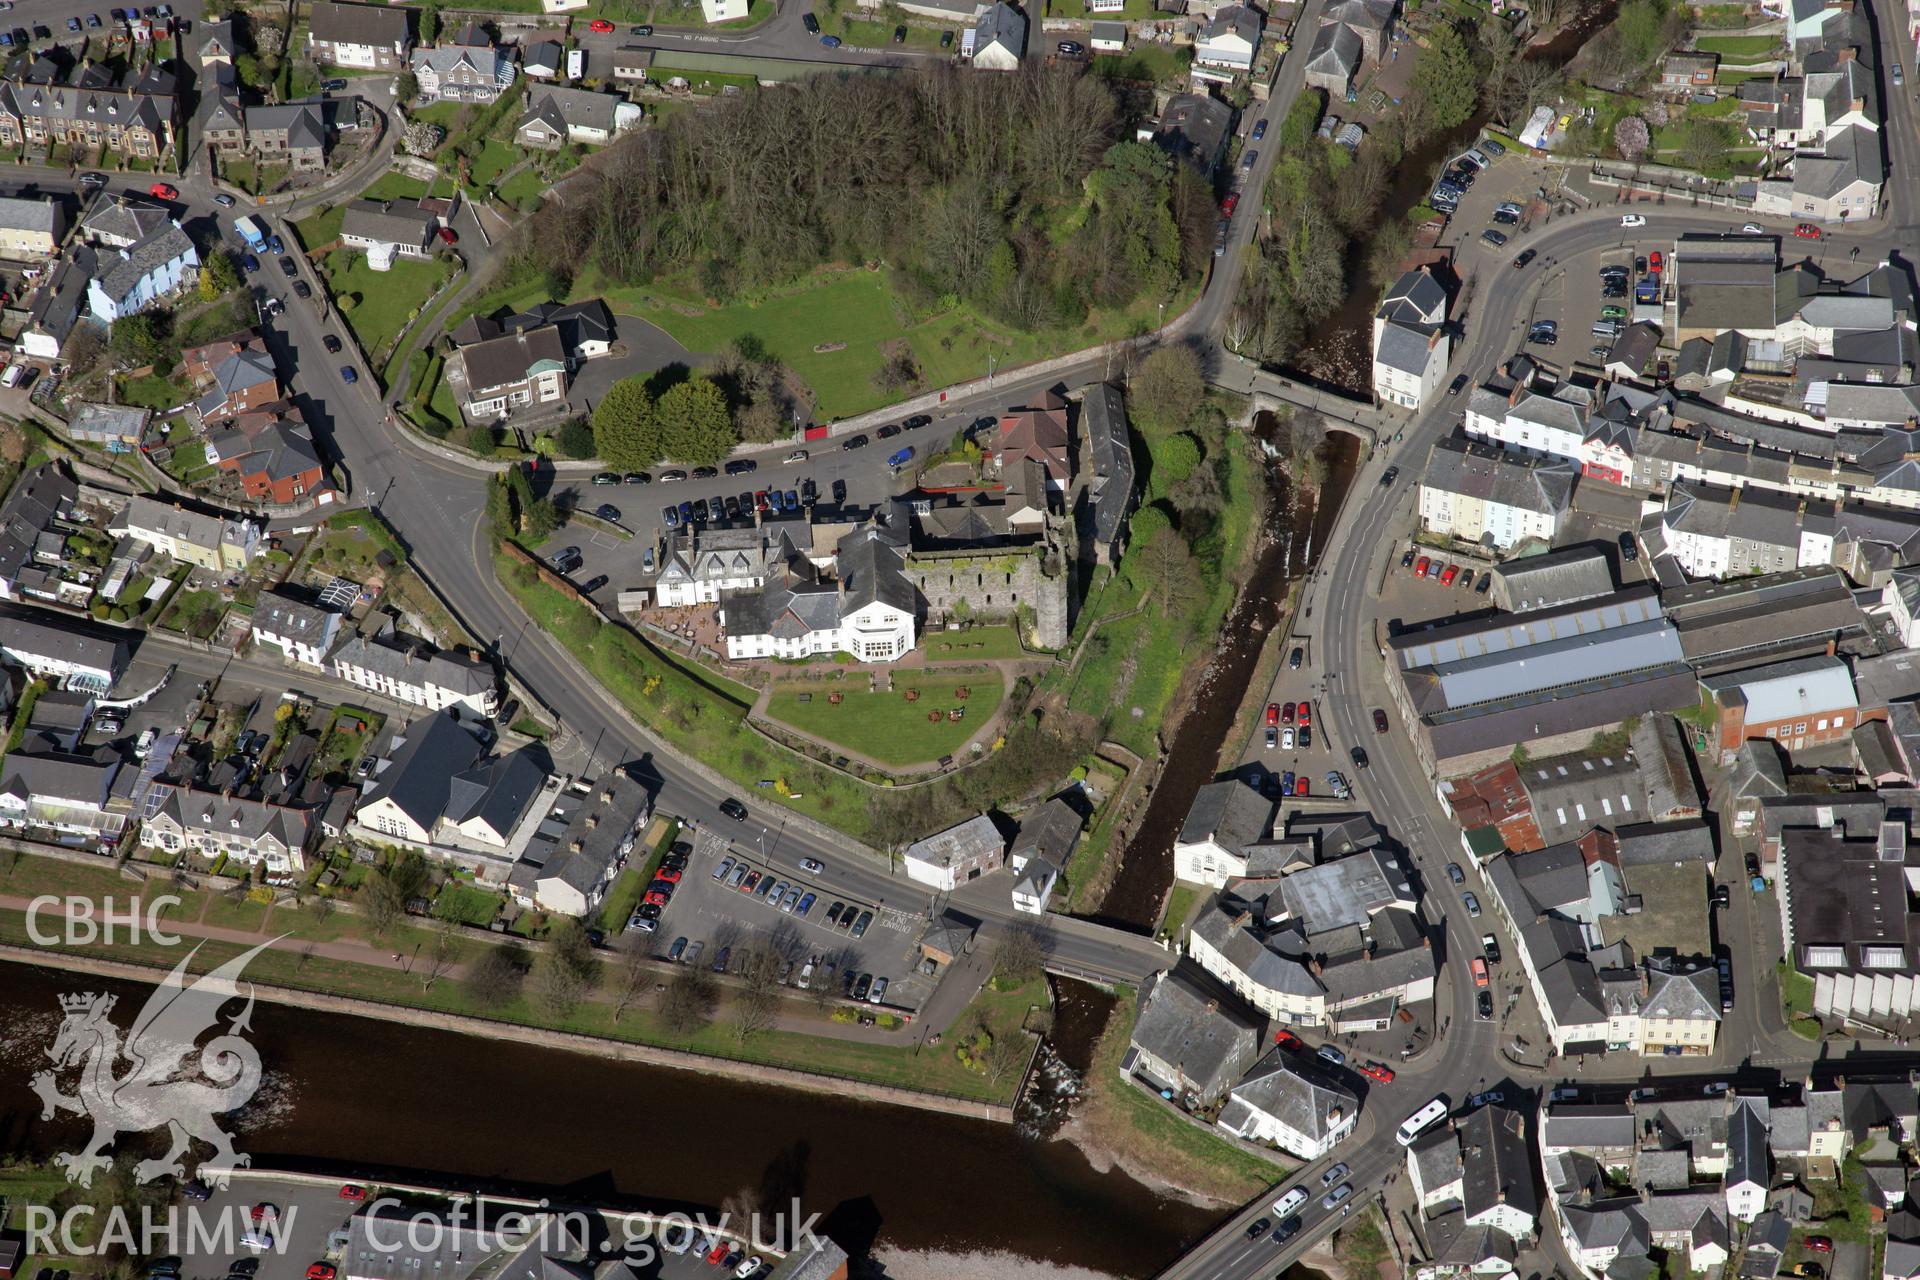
215 824
125 122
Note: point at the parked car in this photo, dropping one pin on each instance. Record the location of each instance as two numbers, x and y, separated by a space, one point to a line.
163 191
1806 231
1633 220
860 925
1495 238
600 26
1071 48
1332 1055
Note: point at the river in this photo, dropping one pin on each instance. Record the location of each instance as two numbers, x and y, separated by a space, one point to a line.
1339 351
363 1098
1289 544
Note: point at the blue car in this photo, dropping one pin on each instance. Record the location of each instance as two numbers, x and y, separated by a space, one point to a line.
832 42
671 514
686 513
348 374
793 499
607 511
804 905
776 501
902 458
250 262
73 24
275 243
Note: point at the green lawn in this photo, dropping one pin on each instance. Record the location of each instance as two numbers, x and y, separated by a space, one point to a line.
886 726
1145 61
317 230
468 904
857 309
394 185
495 158
1739 48
524 185
154 392
385 300
440 113
972 645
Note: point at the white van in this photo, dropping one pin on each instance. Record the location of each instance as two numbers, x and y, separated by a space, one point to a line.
1287 1203
11 378
1422 1120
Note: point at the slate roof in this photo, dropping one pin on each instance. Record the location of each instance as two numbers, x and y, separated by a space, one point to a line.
1747 1151
1295 1092
1496 1163
1000 24
964 842
333 22
1231 814
502 362
21 214
1336 51
304 123
496 790
64 104
436 667
1188 1023
41 496
1048 833
1468 467
1194 126
1593 1127
231 816
120 271
419 774
1554 578
872 569
388 221
78 779
1103 424
560 108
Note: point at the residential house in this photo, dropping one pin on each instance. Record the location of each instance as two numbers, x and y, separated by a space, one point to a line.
132 279
632 66
1227 827
999 37
1190 1037
62 656
1194 127
122 221
302 632
1801 703
1290 1101
1037 433
1749 1159
543 59
441 793
117 428
223 825
369 36
577 853
1040 851
1481 1166
238 375
77 801
129 123
1683 73
271 453
59 304
31 229
948 859
723 10
698 564
1410 342
1473 492
586 327
1371 20
386 229
219 543
557 116
508 374
1690 1223
294 134
434 679
1718 533
467 68
32 544
1230 40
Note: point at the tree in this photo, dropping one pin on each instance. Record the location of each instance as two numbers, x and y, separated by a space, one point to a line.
482 438
1631 138
429 23
625 433
1007 1050
1447 77
559 282
1021 955
755 1006
406 90
1174 458
1313 264
382 903
632 978
575 438
218 274
689 1000
566 970
694 423
142 338
440 954
493 980
1166 387
1172 578
1704 143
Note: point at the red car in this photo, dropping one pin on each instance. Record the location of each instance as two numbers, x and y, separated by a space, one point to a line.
1300 785
760 500
1653 261
1306 713
669 874
1286 1039
1286 713
1479 972
751 883
1374 1071
1273 714
658 897
600 25
320 1271
1819 1244
353 1191
447 236
1806 231
1452 572
1379 720
264 1209
163 191
715 1254
1227 205
1420 570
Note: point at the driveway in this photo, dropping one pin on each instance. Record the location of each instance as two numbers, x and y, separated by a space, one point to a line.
649 348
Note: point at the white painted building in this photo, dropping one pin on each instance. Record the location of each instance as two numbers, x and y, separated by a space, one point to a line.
1410 342
1475 492
302 632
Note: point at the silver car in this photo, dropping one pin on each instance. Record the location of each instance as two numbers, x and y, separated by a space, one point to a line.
793 896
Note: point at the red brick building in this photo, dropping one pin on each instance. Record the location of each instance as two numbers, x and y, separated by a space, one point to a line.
1802 703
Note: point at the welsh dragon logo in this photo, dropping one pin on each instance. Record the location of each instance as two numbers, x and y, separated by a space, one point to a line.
159 1088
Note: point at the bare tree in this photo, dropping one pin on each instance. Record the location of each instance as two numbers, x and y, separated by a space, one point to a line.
631 978
381 903
689 1000
1172 578
1022 953
566 971
441 955
755 1005
1007 1052
494 978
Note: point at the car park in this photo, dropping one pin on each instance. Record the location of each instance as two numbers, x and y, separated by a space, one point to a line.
1492 237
